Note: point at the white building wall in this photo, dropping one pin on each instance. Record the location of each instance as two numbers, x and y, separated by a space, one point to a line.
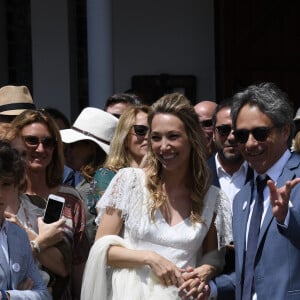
148 38
170 36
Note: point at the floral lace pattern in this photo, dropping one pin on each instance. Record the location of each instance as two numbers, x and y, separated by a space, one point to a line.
181 243
125 193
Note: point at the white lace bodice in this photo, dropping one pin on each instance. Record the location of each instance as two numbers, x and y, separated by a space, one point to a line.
180 243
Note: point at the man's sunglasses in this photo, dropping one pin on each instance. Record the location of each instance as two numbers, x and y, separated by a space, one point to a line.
206 123
140 130
259 133
34 141
224 130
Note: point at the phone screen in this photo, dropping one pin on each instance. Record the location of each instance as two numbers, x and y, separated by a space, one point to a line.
53 211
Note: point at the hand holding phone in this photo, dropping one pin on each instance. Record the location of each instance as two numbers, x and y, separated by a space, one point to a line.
54 208
50 234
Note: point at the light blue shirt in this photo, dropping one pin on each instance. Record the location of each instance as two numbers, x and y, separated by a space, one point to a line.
3 240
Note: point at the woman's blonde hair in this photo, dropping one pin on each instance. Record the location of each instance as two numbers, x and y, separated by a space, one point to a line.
54 171
118 156
199 181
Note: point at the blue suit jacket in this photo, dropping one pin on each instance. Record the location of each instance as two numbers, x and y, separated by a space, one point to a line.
277 263
20 267
225 282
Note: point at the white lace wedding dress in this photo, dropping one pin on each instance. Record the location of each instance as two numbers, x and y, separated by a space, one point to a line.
180 243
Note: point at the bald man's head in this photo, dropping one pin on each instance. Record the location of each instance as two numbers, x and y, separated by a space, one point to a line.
205 111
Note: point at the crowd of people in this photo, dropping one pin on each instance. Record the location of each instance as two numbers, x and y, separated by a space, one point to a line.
168 201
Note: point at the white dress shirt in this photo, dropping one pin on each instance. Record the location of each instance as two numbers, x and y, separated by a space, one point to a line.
231 184
274 173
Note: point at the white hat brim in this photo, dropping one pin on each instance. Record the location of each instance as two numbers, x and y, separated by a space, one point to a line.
69 136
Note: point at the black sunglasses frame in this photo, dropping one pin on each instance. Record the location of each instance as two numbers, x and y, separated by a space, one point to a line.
34 141
207 123
224 130
140 130
259 133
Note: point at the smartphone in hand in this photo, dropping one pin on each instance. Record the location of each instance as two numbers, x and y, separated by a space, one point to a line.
54 208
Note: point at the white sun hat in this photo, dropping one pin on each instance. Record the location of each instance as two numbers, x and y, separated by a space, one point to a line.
297 116
92 124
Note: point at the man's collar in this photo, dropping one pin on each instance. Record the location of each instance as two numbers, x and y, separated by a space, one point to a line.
219 168
4 225
275 171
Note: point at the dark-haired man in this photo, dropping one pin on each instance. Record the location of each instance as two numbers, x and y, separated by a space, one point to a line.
117 103
20 278
266 219
230 172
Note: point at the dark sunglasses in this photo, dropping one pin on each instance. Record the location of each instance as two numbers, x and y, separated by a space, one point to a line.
140 130
259 133
206 123
34 141
117 115
224 130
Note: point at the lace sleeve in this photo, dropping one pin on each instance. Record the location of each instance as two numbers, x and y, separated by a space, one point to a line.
223 220
121 192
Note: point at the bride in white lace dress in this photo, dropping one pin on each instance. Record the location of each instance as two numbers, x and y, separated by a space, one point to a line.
157 225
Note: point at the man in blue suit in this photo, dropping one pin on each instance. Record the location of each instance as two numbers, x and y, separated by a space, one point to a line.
19 276
267 256
230 172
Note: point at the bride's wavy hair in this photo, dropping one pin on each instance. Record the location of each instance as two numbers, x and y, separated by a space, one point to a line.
199 180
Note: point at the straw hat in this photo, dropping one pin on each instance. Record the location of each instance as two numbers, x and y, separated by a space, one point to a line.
92 124
14 100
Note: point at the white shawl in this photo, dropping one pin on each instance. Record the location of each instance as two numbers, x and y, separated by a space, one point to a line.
126 283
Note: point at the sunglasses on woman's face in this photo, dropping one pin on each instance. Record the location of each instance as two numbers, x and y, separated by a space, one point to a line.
259 133
34 141
140 130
